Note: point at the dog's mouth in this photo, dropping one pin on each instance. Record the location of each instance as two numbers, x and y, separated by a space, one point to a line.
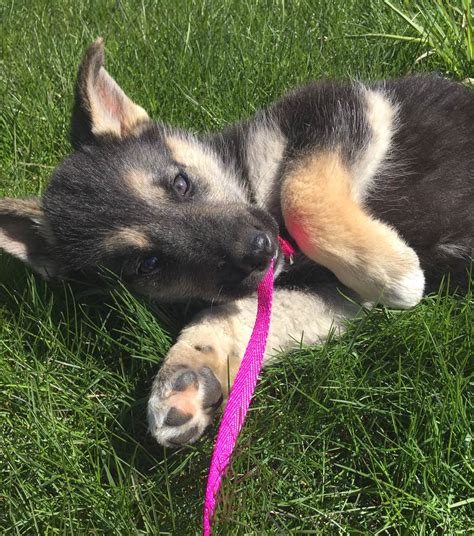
235 284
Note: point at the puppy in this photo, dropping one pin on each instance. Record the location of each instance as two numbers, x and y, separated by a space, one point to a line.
373 182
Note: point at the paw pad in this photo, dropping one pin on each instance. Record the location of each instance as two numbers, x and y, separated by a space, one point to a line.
176 418
182 403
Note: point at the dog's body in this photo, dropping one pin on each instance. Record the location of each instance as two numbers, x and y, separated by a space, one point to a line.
374 183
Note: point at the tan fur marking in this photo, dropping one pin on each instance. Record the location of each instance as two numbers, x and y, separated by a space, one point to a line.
192 156
140 182
334 230
203 163
126 237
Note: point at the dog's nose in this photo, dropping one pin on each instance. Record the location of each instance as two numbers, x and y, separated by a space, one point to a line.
259 253
261 243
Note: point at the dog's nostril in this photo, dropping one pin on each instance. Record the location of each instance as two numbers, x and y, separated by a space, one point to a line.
260 251
261 243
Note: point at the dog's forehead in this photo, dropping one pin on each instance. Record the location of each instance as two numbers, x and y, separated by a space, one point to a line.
137 171
198 158
106 165
202 162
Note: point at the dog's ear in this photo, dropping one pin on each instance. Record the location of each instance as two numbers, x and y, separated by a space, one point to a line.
101 107
24 234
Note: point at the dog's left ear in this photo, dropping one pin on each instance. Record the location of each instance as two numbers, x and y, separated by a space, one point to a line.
24 234
101 107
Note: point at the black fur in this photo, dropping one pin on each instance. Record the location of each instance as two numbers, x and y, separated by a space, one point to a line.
430 200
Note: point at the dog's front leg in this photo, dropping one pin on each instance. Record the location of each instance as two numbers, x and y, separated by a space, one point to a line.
334 229
200 368
196 373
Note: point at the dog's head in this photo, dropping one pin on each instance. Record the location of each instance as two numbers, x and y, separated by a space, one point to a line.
152 203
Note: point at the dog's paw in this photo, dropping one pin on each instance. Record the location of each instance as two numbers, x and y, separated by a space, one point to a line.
182 403
406 291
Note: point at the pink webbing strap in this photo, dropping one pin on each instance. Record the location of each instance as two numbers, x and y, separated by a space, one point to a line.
241 393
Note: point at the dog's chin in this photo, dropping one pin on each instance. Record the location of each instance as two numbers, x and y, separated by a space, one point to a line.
249 285
236 292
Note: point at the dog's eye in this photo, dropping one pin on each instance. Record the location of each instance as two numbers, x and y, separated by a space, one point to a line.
182 184
148 265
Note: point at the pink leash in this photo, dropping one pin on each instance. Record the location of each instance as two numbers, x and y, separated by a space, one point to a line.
241 393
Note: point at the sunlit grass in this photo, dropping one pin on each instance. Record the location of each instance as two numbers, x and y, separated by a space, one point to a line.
442 29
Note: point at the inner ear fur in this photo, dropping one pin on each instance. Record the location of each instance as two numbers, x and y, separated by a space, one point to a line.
24 234
101 107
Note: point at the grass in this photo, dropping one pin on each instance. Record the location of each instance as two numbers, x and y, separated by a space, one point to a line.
369 434
444 29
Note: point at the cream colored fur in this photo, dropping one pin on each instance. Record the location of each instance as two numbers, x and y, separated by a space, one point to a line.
382 120
217 338
112 112
265 148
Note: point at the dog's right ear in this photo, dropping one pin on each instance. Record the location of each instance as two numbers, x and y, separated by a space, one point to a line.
24 234
101 107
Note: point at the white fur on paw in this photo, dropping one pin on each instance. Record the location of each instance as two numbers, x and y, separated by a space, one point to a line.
405 292
182 403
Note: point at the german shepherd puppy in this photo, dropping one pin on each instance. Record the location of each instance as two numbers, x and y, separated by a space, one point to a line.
373 182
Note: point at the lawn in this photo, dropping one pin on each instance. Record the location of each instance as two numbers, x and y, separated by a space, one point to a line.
369 434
